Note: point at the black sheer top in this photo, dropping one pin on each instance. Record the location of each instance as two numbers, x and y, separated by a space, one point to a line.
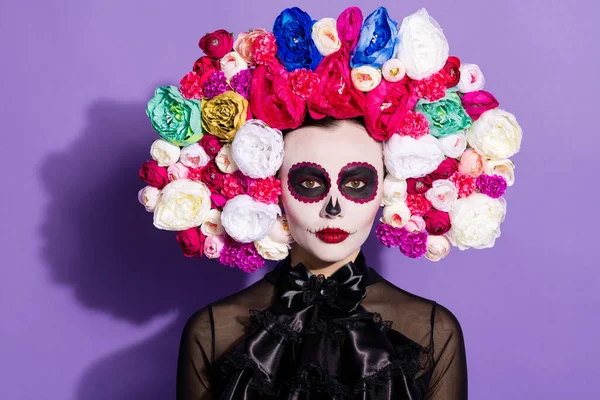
297 335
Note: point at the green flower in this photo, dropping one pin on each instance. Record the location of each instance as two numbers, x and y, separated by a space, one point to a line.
175 118
445 116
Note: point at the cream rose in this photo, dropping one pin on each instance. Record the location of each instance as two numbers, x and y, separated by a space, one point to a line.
393 70
280 232
213 245
247 220
271 250
148 196
476 221
366 78
257 149
182 204
212 224
504 168
423 48
453 145
496 134
394 190
164 153
396 214
243 44
471 78
438 247
406 157
442 194
194 156
325 36
232 63
224 160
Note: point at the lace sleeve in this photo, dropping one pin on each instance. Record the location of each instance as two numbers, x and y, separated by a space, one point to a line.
196 355
449 375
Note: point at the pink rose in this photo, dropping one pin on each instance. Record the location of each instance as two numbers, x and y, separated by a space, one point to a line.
264 49
213 245
348 26
415 224
478 102
217 200
243 44
472 163
216 44
178 171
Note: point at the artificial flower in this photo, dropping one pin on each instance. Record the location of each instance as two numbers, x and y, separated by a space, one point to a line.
213 245
418 185
215 85
233 63
280 232
264 49
446 116
148 196
415 224
393 70
303 83
191 242
413 245
504 168
496 134
265 190
437 222
378 40
453 145
406 157
191 86
216 44
388 235
365 78
396 214
394 190
154 175
417 204
471 163
247 220
471 78
178 171
183 204
451 71
438 247
476 221
164 152
212 224
242 82
234 184
491 185
445 170
325 36
432 88
271 250
257 149
243 44
223 115
295 47
442 194
465 184
349 25
241 255
224 160
414 125
210 144
212 176
194 155
478 102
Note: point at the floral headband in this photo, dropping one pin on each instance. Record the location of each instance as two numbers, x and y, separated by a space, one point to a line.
446 141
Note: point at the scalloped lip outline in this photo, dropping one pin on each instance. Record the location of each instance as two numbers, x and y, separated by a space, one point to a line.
331 234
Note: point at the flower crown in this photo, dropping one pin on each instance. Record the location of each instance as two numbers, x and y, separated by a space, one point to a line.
446 142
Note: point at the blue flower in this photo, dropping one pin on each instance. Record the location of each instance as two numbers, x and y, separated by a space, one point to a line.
295 47
378 40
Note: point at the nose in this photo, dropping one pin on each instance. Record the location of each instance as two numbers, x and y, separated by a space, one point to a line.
332 209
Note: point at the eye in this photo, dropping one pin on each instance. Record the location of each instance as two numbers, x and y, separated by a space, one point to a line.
311 184
355 184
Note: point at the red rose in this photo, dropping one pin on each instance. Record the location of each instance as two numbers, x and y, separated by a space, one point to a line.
210 144
212 177
478 102
191 242
349 24
336 96
445 170
205 67
154 175
451 71
216 44
272 99
437 222
387 106
418 185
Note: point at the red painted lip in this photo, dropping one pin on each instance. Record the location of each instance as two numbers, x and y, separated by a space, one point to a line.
332 235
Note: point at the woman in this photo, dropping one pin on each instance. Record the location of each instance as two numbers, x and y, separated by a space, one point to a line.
325 324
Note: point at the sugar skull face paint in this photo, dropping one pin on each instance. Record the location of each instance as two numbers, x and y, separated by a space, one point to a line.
331 220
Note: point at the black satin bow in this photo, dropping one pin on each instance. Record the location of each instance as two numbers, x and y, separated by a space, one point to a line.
344 289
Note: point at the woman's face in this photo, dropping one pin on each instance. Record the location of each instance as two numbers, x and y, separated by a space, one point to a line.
332 186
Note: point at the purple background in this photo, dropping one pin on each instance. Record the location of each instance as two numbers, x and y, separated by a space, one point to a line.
93 298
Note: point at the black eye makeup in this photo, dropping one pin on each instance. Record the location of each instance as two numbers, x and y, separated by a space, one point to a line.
358 182
308 182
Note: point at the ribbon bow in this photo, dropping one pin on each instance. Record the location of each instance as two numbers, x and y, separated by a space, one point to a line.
344 289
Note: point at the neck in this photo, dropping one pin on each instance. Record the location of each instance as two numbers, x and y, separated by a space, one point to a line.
316 265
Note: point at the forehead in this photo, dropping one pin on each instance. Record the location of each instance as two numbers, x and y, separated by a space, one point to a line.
332 147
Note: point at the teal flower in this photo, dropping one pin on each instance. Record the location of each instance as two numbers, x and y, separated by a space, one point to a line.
445 116
175 118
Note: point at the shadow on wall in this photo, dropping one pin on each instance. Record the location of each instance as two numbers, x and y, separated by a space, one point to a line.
100 241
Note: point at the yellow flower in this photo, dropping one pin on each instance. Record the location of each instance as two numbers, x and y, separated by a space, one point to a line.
223 115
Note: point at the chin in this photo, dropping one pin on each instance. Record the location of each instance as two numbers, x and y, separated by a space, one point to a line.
333 252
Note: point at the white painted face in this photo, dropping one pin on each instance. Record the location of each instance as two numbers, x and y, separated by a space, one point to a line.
332 186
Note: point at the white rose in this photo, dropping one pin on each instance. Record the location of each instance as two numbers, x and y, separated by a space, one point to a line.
393 70
476 221
148 196
257 149
325 36
394 190
212 224
423 48
453 145
224 160
438 247
280 232
182 204
396 214
247 220
194 156
271 250
232 63
471 78
496 134
504 168
442 194
164 152
366 78
406 157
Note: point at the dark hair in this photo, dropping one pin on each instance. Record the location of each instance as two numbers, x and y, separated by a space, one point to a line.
326 122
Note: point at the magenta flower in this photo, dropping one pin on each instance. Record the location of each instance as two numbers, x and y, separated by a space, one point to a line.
388 235
215 85
413 245
241 81
491 185
241 255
